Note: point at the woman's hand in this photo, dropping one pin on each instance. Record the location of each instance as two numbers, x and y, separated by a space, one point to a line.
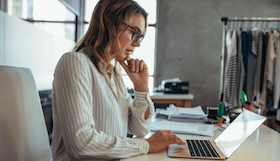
137 71
161 139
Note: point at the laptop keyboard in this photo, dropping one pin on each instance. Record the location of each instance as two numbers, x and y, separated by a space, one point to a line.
202 148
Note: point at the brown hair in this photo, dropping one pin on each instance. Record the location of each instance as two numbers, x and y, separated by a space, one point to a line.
107 16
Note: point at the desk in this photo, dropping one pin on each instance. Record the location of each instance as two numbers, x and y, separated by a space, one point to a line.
262 145
179 100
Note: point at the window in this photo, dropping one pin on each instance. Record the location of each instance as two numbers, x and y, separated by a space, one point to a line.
147 49
51 16
54 17
58 19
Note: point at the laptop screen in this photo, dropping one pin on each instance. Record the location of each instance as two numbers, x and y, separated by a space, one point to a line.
238 131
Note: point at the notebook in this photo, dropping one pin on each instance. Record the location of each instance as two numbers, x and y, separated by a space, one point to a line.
225 144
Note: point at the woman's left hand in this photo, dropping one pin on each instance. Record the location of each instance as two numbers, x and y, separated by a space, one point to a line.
137 71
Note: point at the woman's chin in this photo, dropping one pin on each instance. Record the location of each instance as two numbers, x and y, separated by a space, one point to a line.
121 59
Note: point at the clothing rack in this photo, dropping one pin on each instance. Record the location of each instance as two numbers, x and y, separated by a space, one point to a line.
259 23
225 20
249 19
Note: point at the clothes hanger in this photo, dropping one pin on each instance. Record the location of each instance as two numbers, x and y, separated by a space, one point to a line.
239 24
264 23
235 23
254 24
246 23
270 26
231 25
259 24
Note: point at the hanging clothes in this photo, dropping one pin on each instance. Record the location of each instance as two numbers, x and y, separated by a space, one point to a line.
254 64
240 75
258 43
244 49
272 57
250 67
265 43
269 63
277 71
222 77
250 61
231 68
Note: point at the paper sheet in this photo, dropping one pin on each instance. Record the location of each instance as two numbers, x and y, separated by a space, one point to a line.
191 111
193 114
184 128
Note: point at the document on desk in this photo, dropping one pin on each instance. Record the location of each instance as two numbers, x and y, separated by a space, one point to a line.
184 128
193 111
193 114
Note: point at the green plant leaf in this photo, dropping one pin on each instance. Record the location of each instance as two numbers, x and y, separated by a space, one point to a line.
220 110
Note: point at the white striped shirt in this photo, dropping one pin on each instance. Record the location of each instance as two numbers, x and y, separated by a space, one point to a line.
231 69
90 123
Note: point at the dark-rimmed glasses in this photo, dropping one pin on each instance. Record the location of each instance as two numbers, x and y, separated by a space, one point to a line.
135 35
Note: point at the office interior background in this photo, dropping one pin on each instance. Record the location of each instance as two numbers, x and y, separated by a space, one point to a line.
184 38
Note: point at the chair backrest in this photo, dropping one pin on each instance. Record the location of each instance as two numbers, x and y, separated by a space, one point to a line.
23 133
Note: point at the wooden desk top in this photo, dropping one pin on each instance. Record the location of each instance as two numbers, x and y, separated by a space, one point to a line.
161 95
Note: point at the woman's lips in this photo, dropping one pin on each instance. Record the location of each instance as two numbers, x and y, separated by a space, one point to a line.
129 52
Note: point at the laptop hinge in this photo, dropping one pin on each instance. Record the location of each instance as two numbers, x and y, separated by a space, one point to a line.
221 149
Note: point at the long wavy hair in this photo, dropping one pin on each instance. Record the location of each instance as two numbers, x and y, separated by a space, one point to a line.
106 18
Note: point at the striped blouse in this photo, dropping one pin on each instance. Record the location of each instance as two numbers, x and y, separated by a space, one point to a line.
90 121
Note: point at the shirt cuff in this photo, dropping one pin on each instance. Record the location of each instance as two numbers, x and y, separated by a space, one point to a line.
141 102
143 146
141 96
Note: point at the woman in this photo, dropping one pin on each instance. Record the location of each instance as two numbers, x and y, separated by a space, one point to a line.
92 110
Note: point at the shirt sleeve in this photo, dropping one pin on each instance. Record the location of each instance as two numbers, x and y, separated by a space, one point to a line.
73 112
137 124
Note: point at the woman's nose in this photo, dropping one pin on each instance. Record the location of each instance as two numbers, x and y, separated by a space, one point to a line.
136 43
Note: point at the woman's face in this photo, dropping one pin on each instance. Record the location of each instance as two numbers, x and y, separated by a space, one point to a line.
137 25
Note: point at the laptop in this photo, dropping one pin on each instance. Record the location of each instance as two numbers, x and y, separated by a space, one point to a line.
225 144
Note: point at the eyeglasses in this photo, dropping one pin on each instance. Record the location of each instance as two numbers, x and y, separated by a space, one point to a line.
135 35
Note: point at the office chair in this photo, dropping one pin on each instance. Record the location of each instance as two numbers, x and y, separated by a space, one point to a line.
23 133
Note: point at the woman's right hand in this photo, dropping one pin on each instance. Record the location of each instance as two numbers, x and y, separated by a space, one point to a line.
161 139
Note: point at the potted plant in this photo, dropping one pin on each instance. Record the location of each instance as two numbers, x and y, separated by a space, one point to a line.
220 113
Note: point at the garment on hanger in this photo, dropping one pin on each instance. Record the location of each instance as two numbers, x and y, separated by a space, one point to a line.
250 67
254 64
270 55
258 35
222 74
265 42
277 71
244 49
231 66
240 75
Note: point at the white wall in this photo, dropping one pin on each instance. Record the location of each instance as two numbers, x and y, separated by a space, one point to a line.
28 46
1 37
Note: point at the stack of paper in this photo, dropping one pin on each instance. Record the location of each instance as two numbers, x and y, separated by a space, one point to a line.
193 114
161 113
